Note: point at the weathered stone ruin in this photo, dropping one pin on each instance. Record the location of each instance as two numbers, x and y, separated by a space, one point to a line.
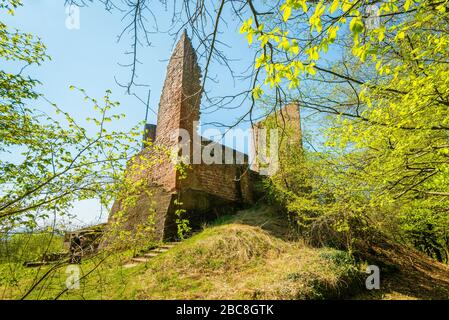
209 190
288 122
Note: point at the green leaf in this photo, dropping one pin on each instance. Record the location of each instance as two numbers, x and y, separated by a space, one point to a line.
287 12
356 25
334 6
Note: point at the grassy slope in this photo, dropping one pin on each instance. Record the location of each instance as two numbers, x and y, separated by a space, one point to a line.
234 260
249 256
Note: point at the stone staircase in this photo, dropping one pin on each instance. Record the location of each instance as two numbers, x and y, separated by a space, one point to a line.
145 257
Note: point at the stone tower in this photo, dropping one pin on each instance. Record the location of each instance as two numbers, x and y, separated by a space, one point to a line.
179 105
287 121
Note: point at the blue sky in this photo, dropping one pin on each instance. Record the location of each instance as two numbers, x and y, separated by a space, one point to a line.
89 58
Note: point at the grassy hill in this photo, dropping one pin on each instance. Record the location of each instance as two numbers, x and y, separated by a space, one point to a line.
251 255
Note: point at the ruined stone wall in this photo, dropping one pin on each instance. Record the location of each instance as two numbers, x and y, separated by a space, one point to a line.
287 120
151 206
224 178
228 181
209 190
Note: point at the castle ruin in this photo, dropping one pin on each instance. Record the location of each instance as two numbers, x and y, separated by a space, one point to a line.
208 190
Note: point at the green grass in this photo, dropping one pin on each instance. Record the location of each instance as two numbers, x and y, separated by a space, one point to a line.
246 256
28 246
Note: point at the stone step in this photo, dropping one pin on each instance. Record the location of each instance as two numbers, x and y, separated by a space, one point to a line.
159 250
166 246
140 259
151 254
173 243
130 265
30 264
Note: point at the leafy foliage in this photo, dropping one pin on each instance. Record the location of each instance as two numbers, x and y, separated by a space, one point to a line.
387 145
49 162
